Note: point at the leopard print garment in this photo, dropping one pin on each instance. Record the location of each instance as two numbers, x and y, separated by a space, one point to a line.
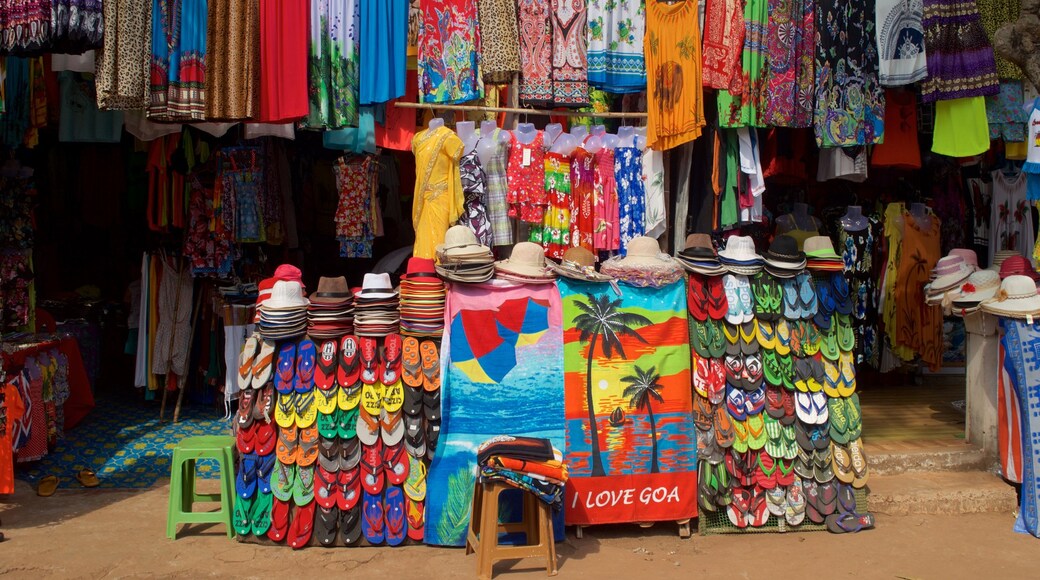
233 60
500 46
122 63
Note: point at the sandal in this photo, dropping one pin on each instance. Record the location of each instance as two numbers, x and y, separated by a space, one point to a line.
263 367
411 362
286 368
348 370
306 358
47 486
431 366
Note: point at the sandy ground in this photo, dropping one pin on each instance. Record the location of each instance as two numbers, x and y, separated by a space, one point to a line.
119 534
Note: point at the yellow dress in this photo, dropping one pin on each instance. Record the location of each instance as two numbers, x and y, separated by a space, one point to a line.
438 199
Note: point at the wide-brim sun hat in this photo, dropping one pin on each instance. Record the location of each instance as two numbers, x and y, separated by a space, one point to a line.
644 251
578 264
979 287
1017 298
951 274
461 242
527 263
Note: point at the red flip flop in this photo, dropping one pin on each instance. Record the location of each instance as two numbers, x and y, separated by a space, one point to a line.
326 487
279 520
325 374
302 526
395 464
349 369
716 304
266 439
697 297
369 360
372 467
246 440
392 347
415 511
349 483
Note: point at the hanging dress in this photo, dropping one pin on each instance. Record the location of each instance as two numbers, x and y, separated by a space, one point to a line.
569 61
438 200
850 103
333 64
536 52
449 52
283 60
672 44
498 191
742 103
615 41
857 252
500 58
583 177
628 173
384 50
526 178
605 234
723 41
178 73
123 65
233 60
918 326
960 57
789 78
474 190
554 234
901 51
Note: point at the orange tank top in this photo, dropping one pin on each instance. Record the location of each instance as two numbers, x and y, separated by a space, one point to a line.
672 45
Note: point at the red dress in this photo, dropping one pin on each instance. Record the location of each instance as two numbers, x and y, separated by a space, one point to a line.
583 175
284 35
525 175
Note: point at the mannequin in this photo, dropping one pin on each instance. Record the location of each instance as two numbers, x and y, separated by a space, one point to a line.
486 147
598 130
564 144
611 141
580 132
854 220
641 138
467 131
626 137
592 144
525 133
552 132
798 220
922 215
436 123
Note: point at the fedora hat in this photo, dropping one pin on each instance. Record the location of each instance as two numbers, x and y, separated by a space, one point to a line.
526 263
332 290
376 286
286 295
420 268
783 253
740 249
579 264
820 247
1017 298
461 242
699 247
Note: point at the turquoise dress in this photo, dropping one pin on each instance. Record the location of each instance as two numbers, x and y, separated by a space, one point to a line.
384 47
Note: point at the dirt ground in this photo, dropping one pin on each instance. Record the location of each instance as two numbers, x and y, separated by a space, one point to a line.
121 534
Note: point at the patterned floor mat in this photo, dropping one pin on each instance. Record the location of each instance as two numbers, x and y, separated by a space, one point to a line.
126 446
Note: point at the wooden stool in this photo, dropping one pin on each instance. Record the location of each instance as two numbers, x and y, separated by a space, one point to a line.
484 529
182 483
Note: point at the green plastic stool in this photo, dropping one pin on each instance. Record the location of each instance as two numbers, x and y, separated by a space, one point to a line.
182 483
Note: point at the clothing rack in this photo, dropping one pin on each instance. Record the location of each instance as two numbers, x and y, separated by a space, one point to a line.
521 111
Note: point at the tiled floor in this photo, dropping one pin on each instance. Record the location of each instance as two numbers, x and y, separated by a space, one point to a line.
906 418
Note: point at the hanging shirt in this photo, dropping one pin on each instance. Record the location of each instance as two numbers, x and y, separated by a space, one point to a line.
449 52
900 41
675 105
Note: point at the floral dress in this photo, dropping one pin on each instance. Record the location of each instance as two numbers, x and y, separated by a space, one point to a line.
742 103
605 235
789 84
449 52
583 178
333 60
857 252
178 73
555 235
628 172
526 178
616 45
474 189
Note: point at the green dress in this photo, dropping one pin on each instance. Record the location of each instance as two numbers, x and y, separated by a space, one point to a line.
743 105
333 62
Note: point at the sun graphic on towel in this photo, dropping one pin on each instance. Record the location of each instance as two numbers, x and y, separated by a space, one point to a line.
603 384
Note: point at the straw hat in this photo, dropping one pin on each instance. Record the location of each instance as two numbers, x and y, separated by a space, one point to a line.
461 243
376 286
286 295
1016 265
979 287
784 254
526 263
699 256
950 271
970 257
1017 298
740 249
579 264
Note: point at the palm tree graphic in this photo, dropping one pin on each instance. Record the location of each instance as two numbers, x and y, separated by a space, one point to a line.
643 388
602 320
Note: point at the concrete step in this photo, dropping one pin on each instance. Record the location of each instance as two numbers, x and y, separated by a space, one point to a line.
940 493
947 459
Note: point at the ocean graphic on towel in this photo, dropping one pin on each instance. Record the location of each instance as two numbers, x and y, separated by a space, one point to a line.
502 372
628 356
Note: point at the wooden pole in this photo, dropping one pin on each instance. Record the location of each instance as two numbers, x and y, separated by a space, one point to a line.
521 111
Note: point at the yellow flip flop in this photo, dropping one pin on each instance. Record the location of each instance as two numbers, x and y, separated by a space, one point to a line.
349 397
372 398
393 397
327 401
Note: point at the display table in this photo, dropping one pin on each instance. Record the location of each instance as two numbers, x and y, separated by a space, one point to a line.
81 399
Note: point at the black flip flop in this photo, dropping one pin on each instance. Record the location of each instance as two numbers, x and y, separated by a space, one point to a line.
849 523
846 499
350 525
326 526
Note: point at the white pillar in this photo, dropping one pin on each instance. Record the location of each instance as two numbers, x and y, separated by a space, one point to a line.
981 370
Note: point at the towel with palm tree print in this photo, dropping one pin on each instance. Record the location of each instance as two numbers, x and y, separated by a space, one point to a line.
631 445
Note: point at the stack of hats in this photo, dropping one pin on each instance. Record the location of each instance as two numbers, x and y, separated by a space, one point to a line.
1017 298
578 264
284 313
1016 265
1000 256
739 256
949 273
331 313
699 256
821 255
783 258
422 300
526 264
461 258
376 307
978 288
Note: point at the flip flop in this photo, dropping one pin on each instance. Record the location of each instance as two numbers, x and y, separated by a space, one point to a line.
751 377
393 396
749 338
773 300
804 408
433 433
740 436
415 512
263 364
282 485
849 523
765 471
367 430
285 410
308 452
795 513
279 520
392 346
415 484
775 402
832 379
812 501
854 416
245 441
702 413
350 454
306 409
350 525
245 363
699 374
302 526
765 333
829 344
715 295
87 478
810 339
326 526
734 369
349 369
724 432
699 338
288 448
819 438
696 297
846 337
822 468
776 501
349 484
245 476
847 386
395 464
756 428
717 381
411 362
260 514
431 366
396 526
244 415
775 446
370 364
758 509
432 406
286 368
755 402
846 499
328 452
265 466
264 404
736 403
859 463
347 423
732 334
784 471
803 464
807 295
705 486
789 417
372 398
372 479
734 311
328 361
839 423
350 397
306 358
392 427
717 344
328 424
829 497
738 509
723 486
819 403
373 519
241 518
326 489
303 485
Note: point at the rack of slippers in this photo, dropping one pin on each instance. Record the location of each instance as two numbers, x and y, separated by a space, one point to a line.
334 437
778 419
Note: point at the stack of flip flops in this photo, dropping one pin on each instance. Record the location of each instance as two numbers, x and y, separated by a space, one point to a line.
820 254
331 312
422 300
376 307
739 256
422 396
699 256
775 408
461 258
284 314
